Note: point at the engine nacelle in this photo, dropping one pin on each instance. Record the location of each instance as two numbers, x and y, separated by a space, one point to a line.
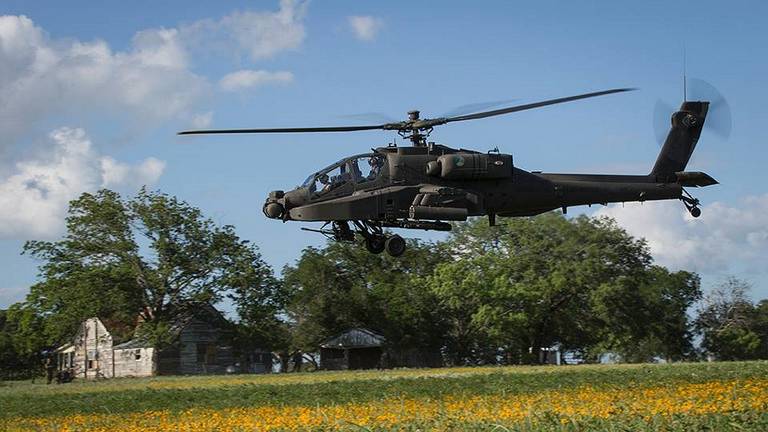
467 166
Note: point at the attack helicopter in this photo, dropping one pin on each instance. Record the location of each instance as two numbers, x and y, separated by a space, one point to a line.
426 186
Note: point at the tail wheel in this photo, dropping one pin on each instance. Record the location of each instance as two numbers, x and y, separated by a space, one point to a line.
695 211
375 244
691 204
395 245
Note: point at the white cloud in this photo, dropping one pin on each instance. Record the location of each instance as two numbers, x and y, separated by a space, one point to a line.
34 199
202 120
244 79
259 35
40 77
365 28
152 80
724 239
117 175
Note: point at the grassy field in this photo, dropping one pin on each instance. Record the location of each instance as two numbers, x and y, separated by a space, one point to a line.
706 396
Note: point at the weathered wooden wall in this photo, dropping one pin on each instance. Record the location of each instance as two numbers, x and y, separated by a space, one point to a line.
93 351
134 362
201 348
204 349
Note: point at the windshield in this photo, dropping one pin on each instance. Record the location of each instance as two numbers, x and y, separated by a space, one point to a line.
357 169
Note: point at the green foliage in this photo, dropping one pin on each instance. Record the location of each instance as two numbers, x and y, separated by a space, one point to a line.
145 256
732 327
649 318
491 294
343 286
581 283
15 354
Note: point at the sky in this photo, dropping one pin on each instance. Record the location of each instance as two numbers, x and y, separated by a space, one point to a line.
92 94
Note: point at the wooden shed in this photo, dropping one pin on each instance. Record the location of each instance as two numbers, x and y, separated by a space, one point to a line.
357 348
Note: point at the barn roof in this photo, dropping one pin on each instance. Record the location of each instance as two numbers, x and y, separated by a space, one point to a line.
355 338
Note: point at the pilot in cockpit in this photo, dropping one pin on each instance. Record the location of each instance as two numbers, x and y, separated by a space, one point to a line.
355 169
327 185
375 164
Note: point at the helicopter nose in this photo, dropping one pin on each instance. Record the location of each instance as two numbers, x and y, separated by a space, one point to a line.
273 207
273 210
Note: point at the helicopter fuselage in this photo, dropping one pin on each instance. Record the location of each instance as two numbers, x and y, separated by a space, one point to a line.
407 189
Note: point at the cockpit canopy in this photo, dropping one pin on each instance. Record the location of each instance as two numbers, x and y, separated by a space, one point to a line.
354 170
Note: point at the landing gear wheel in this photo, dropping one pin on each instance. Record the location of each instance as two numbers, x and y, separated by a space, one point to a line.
395 246
375 244
691 203
695 211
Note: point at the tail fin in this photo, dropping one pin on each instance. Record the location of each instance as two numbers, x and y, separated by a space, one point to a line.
681 141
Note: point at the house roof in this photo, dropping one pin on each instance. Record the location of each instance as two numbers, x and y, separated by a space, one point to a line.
134 343
355 338
184 315
67 347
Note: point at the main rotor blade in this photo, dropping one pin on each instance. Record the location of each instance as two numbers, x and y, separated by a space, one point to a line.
534 105
281 130
369 117
475 107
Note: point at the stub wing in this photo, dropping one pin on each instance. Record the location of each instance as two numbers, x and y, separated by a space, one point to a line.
694 179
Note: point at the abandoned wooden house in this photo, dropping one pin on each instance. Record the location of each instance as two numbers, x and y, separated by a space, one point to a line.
199 342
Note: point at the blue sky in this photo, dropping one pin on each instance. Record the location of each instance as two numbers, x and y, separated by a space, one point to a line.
94 93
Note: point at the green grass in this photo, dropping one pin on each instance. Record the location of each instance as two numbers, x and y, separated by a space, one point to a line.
24 399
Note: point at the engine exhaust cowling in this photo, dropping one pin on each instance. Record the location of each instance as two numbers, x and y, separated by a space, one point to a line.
467 166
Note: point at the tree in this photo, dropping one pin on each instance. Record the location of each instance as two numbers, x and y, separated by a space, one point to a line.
343 286
144 256
760 326
21 342
12 363
581 283
732 327
649 318
461 288
324 299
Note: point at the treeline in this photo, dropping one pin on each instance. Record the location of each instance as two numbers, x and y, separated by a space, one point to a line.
484 295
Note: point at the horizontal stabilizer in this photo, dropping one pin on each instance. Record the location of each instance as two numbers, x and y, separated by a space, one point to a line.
694 179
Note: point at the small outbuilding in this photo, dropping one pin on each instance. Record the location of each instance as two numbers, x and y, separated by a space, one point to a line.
356 348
